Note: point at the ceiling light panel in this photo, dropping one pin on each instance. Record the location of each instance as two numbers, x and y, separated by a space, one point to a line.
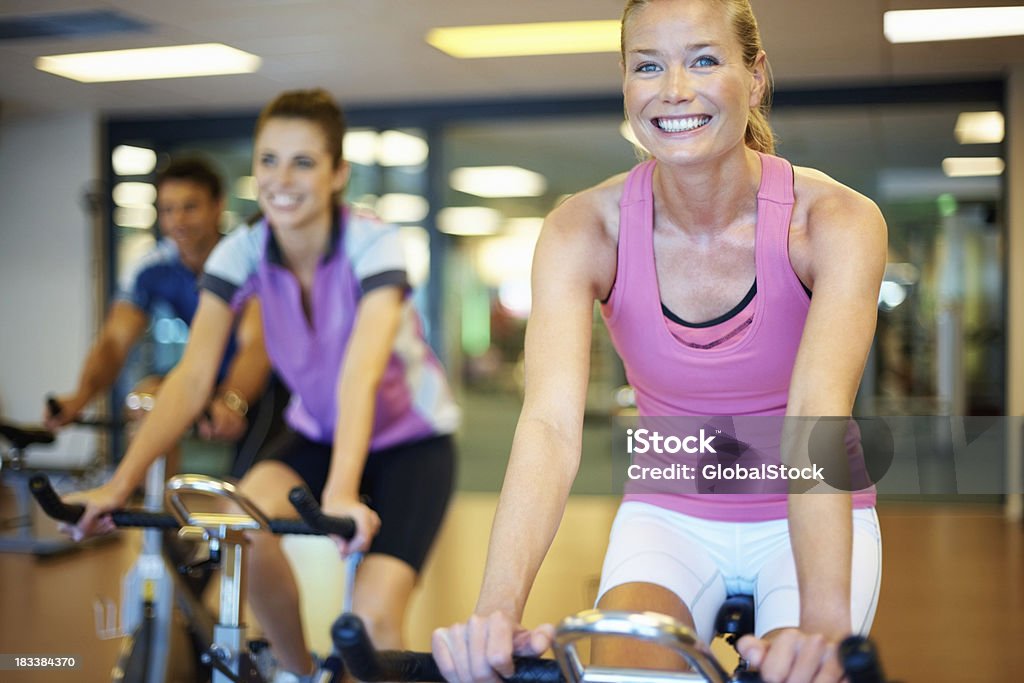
967 167
180 61
979 127
498 181
918 26
518 40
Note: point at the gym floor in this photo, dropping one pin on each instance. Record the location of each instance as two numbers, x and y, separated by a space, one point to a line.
952 602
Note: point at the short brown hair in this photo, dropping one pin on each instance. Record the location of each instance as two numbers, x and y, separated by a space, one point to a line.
195 170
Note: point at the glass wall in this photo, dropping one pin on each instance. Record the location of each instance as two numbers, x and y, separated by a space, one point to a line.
470 186
940 343
502 178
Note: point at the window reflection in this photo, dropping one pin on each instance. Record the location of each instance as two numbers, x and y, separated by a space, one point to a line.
940 341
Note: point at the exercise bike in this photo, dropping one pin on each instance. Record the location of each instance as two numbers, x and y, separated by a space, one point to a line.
225 653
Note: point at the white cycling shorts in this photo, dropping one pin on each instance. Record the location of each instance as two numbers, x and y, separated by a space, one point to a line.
704 561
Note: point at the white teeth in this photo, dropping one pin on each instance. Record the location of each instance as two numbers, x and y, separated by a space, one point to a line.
680 125
284 201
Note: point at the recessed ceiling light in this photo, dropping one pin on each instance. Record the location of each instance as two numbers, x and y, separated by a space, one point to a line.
979 127
395 148
399 207
131 194
966 167
518 40
129 160
498 181
917 26
179 61
140 217
361 147
469 220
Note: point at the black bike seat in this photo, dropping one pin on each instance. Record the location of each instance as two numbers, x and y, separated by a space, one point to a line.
24 436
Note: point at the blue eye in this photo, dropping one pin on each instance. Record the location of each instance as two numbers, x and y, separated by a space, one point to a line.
304 162
267 159
705 61
646 67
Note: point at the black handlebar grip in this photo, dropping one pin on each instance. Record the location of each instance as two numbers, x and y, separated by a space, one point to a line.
860 660
51 503
302 500
295 527
56 508
536 670
354 646
367 664
54 405
144 519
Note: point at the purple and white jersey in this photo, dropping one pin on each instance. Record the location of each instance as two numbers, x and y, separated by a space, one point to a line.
413 399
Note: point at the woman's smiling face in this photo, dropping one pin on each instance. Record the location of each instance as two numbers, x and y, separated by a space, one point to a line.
295 173
687 90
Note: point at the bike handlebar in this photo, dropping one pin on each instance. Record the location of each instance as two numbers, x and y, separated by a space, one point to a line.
303 501
365 663
56 409
860 660
317 524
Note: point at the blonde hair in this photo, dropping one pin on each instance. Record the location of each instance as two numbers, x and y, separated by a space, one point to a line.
759 135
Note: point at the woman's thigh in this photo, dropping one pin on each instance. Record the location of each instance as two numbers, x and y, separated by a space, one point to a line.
648 545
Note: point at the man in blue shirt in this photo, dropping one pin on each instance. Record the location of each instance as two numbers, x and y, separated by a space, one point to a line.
190 203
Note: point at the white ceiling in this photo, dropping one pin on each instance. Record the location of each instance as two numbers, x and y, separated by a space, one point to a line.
372 51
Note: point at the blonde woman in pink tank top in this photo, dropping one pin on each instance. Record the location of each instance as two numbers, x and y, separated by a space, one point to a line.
704 260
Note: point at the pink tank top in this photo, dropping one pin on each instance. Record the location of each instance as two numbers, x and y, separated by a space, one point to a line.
749 375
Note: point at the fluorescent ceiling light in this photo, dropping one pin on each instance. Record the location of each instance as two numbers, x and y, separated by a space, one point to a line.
469 220
129 160
396 148
979 127
917 26
498 181
397 207
964 167
517 40
134 194
361 147
141 217
179 61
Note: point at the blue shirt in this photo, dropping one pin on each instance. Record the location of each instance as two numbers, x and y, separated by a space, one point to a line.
162 277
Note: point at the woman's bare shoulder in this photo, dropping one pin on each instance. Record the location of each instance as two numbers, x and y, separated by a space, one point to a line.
580 236
823 200
595 209
832 221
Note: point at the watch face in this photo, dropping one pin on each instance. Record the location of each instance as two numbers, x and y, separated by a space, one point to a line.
235 402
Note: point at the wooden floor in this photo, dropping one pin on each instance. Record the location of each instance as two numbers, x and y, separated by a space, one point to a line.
951 609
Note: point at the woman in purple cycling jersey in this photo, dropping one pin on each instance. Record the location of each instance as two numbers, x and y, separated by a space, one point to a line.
704 260
370 415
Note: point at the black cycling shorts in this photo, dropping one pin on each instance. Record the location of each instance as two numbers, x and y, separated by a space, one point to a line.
407 485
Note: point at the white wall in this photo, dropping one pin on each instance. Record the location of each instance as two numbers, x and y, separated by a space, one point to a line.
48 269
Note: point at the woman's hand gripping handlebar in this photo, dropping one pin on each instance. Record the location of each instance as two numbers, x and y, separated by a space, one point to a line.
858 655
312 522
